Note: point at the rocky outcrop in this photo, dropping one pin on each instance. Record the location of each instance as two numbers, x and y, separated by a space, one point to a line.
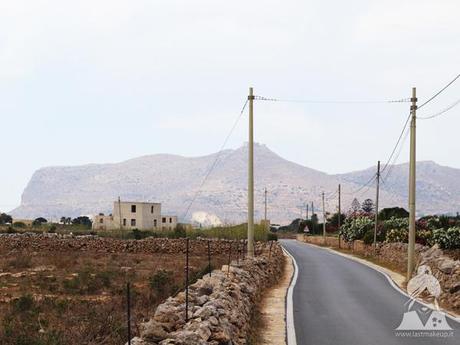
220 305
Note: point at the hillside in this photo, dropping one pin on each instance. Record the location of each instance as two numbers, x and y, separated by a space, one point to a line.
174 181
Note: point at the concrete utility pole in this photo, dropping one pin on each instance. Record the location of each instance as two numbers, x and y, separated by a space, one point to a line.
340 213
377 205
324 219
265 211
411 247
306 213
251 175
119 212
312 209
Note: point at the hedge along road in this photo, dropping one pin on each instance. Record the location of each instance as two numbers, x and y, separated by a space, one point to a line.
340 301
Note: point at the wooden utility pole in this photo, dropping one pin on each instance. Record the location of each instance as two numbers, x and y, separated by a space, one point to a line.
412 164
324 219
251 175
377 205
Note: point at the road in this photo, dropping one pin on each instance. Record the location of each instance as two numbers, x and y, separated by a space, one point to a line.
340 301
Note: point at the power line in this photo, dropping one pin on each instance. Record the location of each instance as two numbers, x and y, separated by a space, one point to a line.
390 170
397 143
213 165
262 98
453 105
440 91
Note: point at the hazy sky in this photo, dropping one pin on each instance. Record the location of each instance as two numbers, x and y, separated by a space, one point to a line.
104 81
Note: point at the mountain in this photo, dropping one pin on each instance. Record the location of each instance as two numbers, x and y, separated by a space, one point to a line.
176 181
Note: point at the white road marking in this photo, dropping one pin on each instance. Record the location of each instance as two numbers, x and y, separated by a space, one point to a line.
290 328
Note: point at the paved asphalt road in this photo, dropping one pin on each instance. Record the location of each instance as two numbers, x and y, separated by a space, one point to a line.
343 302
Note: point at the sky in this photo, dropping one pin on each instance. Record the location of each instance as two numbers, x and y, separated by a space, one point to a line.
104 81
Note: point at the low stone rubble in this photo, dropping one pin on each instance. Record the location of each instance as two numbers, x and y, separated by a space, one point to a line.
220 305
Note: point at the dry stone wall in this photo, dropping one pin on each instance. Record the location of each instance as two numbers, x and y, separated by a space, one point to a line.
221 305
61 243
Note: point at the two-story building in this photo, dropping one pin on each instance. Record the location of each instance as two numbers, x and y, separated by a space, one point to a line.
135 215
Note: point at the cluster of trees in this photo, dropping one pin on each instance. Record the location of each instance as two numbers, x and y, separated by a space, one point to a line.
37 222
5 219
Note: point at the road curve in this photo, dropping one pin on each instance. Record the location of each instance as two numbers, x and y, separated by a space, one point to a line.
340 301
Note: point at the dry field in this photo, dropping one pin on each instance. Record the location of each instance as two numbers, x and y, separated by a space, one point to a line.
79 297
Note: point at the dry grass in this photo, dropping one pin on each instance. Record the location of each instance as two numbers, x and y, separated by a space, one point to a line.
79 297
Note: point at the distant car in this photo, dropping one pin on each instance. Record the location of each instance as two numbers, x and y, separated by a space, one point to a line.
274 227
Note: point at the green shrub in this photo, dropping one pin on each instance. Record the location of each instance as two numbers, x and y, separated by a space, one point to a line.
160 280
368 237
354 228
397 235
447 239
19 225
24 303
396 223
272 237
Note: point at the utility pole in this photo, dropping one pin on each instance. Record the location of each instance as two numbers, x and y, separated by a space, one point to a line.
411 247
119 212
251 175
324 219
377 205
265 212
340 214
306 213
312 209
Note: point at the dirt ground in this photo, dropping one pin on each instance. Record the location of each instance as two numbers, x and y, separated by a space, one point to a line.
79 297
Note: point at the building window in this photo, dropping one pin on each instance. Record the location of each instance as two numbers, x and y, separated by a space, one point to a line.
151 209
124 221
154 223
133 222
163 220
133 208
101 220
170 220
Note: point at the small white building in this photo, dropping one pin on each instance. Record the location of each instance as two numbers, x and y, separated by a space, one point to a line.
129 215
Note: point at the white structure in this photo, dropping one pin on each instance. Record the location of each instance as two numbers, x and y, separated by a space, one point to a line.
128 215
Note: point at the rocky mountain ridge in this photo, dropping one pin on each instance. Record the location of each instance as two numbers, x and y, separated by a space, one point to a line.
175 181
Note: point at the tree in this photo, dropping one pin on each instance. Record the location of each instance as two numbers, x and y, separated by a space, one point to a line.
82 220
335 218
397 212
368 206
39 221
5 218
355 206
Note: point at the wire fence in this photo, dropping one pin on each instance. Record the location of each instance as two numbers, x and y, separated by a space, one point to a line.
236 249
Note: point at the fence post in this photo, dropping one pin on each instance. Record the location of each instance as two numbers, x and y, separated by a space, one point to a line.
270 252
186 279
209 258
128 300
229 258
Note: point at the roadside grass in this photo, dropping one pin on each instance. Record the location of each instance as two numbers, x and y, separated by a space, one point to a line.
231 232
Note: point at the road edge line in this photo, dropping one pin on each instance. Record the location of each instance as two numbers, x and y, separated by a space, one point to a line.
381 270
290 328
